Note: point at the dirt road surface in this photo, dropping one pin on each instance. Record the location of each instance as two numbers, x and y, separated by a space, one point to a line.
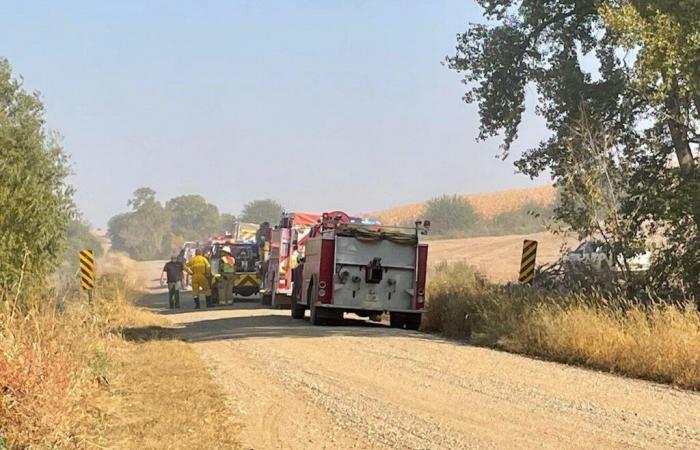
361 386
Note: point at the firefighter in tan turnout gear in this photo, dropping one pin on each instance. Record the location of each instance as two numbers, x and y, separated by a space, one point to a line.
227 270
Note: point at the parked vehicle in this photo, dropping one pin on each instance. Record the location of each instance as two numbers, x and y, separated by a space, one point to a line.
593 254
246 253
284 246
366 269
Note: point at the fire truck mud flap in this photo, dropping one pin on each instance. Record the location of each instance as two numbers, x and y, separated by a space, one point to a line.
409 321
321 315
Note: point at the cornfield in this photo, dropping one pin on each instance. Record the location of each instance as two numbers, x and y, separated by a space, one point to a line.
487 205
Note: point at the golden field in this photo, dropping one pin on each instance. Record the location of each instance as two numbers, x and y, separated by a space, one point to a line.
487 205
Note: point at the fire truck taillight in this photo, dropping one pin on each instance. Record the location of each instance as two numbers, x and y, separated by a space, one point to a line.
322 289
420 298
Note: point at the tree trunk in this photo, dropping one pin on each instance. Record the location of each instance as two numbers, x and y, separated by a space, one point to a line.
681 145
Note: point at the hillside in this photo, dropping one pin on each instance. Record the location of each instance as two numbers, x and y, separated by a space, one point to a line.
498 258
487 205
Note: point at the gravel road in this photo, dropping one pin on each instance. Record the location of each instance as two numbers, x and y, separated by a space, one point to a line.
360 385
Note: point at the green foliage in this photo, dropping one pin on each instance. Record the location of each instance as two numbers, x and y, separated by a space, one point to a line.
192 218
144 233
226 221
35 200
450 214
615 129
526 219
79 237
151 231
259 211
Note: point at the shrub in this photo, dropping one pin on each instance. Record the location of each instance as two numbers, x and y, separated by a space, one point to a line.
35 201
526 219
450 214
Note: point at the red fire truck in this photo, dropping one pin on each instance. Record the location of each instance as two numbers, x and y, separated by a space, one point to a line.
366 269
287 243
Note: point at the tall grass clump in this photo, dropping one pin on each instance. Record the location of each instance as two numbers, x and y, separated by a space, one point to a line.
54 365
655 341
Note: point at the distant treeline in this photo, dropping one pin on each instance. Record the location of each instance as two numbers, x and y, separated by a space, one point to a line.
152 230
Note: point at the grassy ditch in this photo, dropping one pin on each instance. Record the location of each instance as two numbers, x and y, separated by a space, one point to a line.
656 342
69 379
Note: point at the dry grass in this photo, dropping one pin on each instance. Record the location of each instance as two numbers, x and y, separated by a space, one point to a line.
661 343
70 380
168 400
657 342
487 205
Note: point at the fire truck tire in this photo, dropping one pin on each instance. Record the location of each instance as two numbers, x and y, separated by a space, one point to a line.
298 310
316 315
246 291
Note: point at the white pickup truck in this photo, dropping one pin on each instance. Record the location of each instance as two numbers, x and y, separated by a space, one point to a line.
592 254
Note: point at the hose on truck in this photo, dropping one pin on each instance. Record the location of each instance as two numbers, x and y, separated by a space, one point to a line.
363 233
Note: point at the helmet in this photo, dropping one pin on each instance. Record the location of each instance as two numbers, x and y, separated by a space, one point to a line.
226 249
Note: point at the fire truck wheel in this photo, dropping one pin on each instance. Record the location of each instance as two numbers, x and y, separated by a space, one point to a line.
298 310
316 318
246 291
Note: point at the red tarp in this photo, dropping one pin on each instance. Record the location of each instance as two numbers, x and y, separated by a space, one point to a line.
307 219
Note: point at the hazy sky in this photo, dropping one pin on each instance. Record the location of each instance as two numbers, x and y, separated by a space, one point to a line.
318 104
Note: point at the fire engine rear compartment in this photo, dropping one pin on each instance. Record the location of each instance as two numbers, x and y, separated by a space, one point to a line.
362 274
395 288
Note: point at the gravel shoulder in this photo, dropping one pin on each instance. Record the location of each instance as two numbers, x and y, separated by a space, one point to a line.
360 385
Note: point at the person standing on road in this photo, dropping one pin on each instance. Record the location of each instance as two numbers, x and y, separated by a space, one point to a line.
173 271
200 269
227 270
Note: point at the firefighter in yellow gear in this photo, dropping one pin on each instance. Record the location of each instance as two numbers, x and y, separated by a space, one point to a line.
200 269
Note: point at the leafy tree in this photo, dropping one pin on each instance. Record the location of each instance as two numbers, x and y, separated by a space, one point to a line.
192 217
144 233
78 237
142 197
226 221
151 231
450 214
35 200
259 211
642 97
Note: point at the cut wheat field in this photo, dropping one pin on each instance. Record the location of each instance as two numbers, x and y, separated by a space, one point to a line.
497 257
487 205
